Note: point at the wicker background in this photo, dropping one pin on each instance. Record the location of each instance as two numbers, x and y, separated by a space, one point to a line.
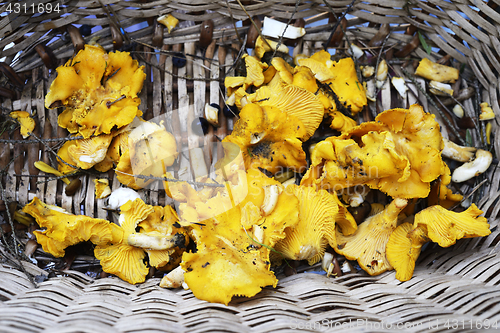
461 282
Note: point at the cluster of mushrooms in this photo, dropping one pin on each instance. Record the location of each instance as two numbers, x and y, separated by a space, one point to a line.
254 211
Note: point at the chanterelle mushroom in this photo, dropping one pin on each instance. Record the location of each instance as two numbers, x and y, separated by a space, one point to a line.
151 149
64 229
99 91
268 138
124 256
398 153
316 228
26 123
403 249
232 256
368 244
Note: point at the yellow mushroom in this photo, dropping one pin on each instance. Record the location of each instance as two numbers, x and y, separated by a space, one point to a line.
436 72
25 121
151 149
64 229
262 47
86 153
368 244
169 21
316 228
229 259
446 227
403 249
99 91
269 138
157 237
102 189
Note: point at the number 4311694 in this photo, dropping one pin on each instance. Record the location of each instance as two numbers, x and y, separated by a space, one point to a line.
40 8
472 324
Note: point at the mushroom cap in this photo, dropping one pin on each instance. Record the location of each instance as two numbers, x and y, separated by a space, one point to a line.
268 138
99 91
368 244
64 229
446 227
26 123
86 153
316 228
318 67
403 249
119 258
151 149
63 153
284 70
298 102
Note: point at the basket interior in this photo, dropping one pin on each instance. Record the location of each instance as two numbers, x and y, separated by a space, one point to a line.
461 282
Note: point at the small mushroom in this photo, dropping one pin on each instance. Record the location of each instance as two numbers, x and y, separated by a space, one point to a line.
440 89
169 21
486 112
446 227
25 121
400 85
436 72
174 279
266 45
403 249
102 189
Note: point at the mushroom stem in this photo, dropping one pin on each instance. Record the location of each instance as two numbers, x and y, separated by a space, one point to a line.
154 241
271 193
174 279
456 152
471 169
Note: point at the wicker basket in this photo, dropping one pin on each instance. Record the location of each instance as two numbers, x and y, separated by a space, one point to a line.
454 288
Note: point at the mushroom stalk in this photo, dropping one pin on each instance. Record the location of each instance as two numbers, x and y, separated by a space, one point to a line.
471 169
271 194
174 279
154 241
456 152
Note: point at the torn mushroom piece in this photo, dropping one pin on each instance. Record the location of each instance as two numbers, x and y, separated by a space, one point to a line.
99 91
316 227
486 112
368 244
436 72
268 45
471 169
456 152
169 21
27 124
86 153
102 189
277 29
174 279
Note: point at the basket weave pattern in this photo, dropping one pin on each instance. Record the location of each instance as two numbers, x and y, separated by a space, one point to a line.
460 283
